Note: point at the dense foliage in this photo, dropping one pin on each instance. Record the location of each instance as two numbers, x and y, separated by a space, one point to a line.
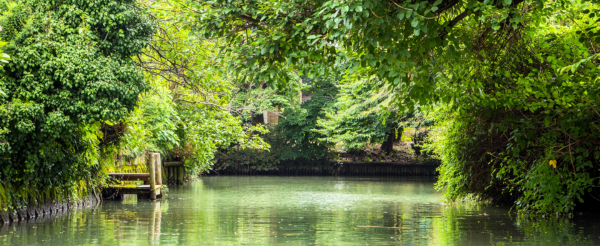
71 69
299 121
357 118
514 83
193 107
94 85
532 122
396 41
513 86
293 141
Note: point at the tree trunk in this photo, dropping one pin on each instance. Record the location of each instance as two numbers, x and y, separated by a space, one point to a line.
388 145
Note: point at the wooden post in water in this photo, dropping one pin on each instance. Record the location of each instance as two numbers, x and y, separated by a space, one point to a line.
166 170
180 177
168 173
151 163
158 167
174 174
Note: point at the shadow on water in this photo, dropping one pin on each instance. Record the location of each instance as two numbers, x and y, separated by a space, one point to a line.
267 210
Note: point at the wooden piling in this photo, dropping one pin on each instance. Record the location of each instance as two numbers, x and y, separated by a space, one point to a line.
167 169
180 177
151 163
158 167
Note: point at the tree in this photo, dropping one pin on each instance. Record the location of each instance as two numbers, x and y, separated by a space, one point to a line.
299 121
396 41
71 70
192 108
357 119
294 143
487 63
523 125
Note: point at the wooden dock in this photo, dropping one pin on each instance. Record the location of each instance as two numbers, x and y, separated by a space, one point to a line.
152 182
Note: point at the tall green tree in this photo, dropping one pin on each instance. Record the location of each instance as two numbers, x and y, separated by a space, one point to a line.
358 117
294 143
71 69
193 106
299 121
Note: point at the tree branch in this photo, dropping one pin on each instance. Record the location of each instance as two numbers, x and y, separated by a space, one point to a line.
455 21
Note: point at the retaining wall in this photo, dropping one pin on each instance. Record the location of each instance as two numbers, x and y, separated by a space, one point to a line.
347 169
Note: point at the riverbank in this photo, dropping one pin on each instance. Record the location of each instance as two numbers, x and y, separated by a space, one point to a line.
404 152
47 208
370 161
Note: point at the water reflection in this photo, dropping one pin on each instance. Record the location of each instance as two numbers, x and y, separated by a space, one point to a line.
298 210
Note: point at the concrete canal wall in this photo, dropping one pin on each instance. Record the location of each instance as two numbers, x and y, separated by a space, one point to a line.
47 209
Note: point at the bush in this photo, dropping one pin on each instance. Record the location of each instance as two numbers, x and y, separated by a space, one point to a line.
71 70
529 130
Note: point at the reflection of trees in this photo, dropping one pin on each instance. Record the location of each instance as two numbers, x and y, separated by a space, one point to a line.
81 226
304 221
358 212
482 225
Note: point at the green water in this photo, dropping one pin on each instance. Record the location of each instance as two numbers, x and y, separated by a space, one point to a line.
299 211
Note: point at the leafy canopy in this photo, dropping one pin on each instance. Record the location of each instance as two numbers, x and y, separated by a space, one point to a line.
398 41
71 69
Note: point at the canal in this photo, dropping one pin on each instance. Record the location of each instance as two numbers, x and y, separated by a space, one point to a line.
269 210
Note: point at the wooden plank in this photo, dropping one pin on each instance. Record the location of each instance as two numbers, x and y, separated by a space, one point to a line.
146 187
130 176
136 187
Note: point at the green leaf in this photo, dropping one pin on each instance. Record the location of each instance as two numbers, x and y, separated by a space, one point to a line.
415 22
401 15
